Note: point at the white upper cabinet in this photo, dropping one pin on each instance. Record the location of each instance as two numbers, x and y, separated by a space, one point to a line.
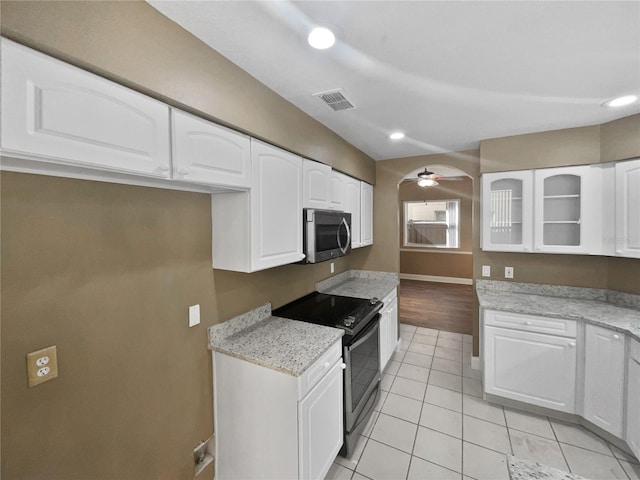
628 208
261 228
54 112
507 211
366 212
552 210
339 191
604 378
206 153
567 210
353 207
316 185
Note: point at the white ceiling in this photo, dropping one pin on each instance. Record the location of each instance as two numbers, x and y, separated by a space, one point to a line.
447 73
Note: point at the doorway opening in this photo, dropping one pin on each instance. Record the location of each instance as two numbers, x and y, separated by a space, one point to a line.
436 244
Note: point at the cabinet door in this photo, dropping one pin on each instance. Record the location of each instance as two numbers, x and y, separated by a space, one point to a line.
204 152
366 212
353 207
628 209
320 425
530 367
604 378
54 112
276 207
383 334
568 206
507 211
316 185
633 396
338 191
392 334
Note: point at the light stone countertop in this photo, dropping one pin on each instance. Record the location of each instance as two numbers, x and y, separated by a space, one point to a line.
520 469
584 304
360 284
288 346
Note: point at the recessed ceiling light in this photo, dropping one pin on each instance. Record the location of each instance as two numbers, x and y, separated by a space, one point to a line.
621 101
396 136
321 38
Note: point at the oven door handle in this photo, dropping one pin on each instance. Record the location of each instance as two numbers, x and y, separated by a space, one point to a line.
365 334
346 226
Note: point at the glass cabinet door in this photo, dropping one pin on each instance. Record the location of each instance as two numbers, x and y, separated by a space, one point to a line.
568 204
506 205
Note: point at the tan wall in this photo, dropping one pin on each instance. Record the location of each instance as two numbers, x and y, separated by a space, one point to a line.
620 139
106 272
384 255
433 263
132 43
572 146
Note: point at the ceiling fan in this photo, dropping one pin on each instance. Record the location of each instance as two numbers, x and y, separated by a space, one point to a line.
430 179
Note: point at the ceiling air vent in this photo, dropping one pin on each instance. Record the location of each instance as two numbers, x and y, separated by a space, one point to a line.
335 99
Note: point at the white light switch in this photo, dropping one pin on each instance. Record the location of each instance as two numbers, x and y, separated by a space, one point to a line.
194 315
486 270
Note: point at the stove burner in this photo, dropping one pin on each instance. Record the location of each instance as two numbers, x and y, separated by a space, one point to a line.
350 314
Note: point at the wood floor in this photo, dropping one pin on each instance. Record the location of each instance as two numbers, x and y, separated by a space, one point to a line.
443 306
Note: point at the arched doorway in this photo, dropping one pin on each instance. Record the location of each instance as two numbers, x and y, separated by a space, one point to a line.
436 248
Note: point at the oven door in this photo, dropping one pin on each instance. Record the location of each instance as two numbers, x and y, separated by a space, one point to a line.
362 374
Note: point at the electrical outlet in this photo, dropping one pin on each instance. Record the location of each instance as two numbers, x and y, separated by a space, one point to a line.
333 267
194 315
508 272
486 270
42 365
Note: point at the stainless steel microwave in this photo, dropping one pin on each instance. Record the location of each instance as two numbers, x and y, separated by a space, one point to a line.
326 235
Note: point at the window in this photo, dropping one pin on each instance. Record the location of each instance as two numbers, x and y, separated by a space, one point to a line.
432 223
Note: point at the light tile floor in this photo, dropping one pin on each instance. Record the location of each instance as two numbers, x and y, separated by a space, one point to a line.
432 423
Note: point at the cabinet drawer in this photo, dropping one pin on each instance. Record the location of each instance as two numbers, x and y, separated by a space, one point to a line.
319 369
531 323
634 350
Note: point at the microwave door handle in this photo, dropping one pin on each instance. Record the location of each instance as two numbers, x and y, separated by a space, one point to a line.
346 226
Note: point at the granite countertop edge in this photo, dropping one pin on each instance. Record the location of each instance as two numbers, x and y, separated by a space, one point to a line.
360 284
597 312
280 344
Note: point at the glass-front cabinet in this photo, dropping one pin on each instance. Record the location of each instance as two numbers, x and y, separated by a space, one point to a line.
551 210
507 208
567 210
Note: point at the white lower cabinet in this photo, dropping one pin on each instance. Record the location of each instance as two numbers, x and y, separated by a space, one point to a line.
604 378
271 425
527 366
388 328
633 398
261 228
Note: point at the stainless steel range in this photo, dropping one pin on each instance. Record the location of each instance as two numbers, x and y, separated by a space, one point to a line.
359 318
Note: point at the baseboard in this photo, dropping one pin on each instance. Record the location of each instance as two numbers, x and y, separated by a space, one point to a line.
433 278
475 363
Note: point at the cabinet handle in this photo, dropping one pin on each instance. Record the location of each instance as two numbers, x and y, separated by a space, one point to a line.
301 256
619 252
538 248
164 168
572 344
526 249
527 323
616 336
343 366
183 172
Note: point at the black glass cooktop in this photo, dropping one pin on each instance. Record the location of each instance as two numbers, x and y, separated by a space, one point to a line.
347 313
